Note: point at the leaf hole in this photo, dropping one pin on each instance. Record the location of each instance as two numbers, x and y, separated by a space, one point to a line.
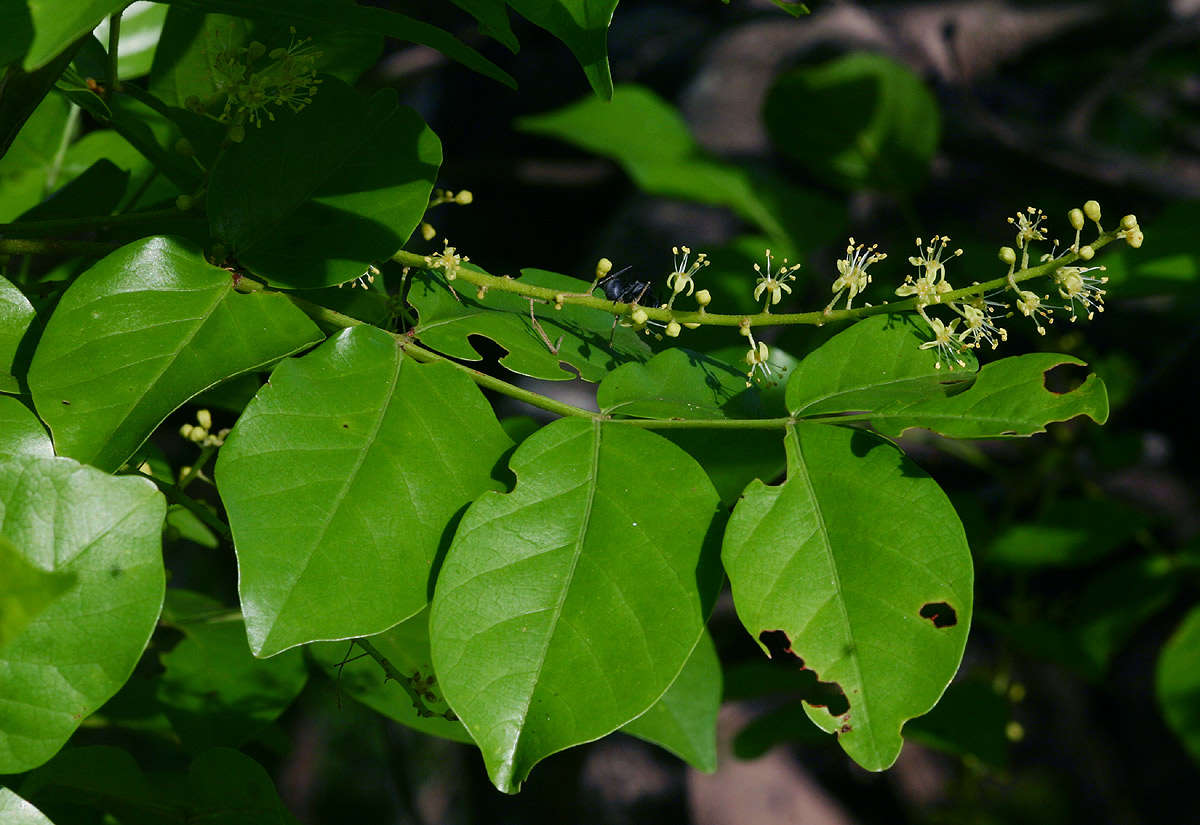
940 613
1064 378
828 695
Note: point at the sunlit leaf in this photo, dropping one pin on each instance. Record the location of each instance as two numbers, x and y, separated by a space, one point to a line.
343 476
140 333
105 532
16 811
567 607
20 431
58 23
25 591
141 24
857 569
16 315
684 720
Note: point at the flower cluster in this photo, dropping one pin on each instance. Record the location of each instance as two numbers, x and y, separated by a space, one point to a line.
448 260
200 432
683 276
852 272
774 284
252 86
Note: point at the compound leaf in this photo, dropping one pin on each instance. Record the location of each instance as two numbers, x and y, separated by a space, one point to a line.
568 607
313 197
857 569
140 333
105 532
875 363
1009 398
684 720
579 334
341 480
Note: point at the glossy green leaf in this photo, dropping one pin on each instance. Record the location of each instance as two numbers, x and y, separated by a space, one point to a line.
318 15
678 383
221 786
1068 533
567 607
16 811
25 590
684 720
1177 681
23 166
1009 398
583 27
141 25
192 43
312 198
859 120
20 431
858 566
579 334
215 692
873 364
492 16
16 316
59 23
140 333
663 159
407 647
344 476
75 654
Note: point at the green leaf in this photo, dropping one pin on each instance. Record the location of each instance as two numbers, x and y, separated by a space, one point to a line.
16 811
20 431
678 383
141 332
141 25
215 692
321 15
59 23
492 16
792 7
662 158
407 647
1178 682
16 316
580 334
314 197
17 26
221 786
862 120
344 475
1009 398
187 65
95 191
873 364
857 566
684 720
1068 533
594 578
583 27
25 591
82 647
31 127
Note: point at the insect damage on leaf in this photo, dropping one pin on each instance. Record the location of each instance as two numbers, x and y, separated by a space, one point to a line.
812 690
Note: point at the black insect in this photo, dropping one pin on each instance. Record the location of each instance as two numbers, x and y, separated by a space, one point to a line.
629 290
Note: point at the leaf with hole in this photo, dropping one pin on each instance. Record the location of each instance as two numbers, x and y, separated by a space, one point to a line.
342 479
82 646
140 333
313 197
568 607
1009 398
574 335
857 569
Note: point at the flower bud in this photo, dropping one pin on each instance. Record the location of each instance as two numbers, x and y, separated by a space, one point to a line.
1075 216
1087 253
1092 210
427 231
236 134
1135 239
1129 222
1008 255
205 419
464 197
703 297
603 267
672 330
639 316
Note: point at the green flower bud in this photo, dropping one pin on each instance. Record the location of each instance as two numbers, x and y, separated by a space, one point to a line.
1075 216
603 267
1008 255
1087 253
672 330
1092 210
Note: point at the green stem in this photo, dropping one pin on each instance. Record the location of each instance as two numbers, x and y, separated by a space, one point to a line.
114 39
206 454
34 229
64 142
56 246
818 318
177 496
406 682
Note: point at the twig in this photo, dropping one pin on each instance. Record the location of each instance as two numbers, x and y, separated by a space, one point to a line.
406 682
